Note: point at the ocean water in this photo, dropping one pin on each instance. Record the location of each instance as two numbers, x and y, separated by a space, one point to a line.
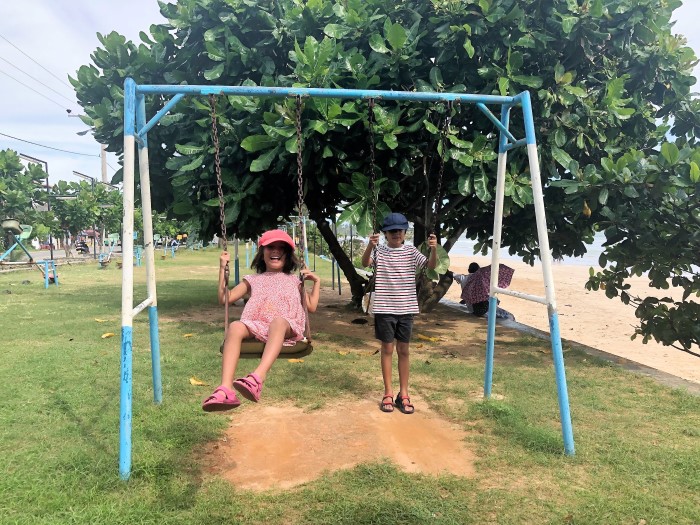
465 248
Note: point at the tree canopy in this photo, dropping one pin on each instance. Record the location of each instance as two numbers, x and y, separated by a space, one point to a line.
607 78
21 188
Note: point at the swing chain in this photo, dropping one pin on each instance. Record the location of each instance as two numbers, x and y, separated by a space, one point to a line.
300 184
374 196
370 121
444 132
217 164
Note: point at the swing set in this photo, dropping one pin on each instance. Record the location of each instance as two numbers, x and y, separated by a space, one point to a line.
136 129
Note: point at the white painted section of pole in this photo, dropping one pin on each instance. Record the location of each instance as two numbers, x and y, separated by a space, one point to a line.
520 295
498 220
542 236
145 177
140 307
128 232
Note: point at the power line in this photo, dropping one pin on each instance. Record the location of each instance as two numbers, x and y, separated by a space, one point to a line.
37 80
37 63
35 91
50 147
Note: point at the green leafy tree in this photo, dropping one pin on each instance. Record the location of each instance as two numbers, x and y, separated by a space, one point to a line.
648 210
21 190
603 74
78 206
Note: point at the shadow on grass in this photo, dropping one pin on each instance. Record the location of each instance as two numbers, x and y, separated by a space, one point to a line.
90 429
174 297
316 382
511 422
377 493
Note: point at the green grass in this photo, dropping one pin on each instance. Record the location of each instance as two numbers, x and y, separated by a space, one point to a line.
637 443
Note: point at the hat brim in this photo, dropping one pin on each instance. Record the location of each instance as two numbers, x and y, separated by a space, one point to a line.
395 227
278 239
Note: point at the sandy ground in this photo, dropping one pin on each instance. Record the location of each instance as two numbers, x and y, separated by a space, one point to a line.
253 455
586 317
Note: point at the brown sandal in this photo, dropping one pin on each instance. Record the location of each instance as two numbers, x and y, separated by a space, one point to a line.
387 406
403 403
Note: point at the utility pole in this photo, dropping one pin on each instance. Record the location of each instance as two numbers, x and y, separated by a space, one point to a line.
103 156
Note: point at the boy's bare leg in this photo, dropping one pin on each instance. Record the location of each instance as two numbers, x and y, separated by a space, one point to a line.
387 363
402 352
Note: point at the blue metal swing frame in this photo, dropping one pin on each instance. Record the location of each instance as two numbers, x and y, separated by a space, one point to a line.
136 129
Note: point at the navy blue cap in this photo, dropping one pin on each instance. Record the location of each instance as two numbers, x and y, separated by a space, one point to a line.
394 221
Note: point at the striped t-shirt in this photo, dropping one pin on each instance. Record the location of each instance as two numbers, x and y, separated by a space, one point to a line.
395 279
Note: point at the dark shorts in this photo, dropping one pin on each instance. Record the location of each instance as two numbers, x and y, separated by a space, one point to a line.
388 327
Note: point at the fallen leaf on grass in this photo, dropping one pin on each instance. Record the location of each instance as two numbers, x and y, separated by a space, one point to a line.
108 334
428 338
343 352
197 382
100 320
366 353
188 335
295 360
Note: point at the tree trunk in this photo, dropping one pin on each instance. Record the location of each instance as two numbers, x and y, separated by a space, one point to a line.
430 293
356 281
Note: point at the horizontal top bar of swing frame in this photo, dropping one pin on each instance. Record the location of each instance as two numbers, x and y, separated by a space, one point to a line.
262 91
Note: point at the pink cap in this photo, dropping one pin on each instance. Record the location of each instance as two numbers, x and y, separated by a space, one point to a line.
275 235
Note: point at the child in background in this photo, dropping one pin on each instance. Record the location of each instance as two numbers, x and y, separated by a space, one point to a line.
274 314
395 301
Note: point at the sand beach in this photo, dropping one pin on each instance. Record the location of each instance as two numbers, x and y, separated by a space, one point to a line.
586 317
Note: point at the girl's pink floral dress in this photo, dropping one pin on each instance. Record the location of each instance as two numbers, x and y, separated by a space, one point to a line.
274 294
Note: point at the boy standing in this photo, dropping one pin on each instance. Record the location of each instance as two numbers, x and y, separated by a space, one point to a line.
395 301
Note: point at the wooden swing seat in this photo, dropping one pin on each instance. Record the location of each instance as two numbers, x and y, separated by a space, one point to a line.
252 348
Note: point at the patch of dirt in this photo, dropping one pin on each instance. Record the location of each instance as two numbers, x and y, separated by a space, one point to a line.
270 447
278 447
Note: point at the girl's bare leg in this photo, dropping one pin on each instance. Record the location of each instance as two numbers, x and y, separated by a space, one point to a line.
237 331
402 351
278 332
387 363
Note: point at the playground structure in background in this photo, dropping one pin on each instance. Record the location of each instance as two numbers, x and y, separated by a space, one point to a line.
18 233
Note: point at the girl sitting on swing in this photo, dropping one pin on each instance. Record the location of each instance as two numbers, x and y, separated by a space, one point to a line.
274 314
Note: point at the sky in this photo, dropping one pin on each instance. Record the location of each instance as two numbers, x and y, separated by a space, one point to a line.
49 40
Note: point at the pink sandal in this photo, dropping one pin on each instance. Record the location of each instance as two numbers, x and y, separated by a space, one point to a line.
222 399
249 386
